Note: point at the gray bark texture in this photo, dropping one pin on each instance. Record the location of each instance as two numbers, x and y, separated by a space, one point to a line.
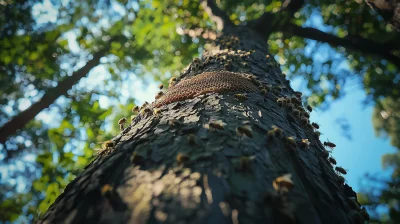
173 167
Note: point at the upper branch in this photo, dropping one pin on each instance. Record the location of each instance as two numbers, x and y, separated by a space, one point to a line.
264 23
360 44
389 10
216 14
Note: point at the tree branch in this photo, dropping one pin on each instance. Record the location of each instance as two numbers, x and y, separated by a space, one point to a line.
264 23
360 44
19 121
388 9
216 14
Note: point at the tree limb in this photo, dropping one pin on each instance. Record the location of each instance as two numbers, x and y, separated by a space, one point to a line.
264 23
216 14
388 9
19 121
360 44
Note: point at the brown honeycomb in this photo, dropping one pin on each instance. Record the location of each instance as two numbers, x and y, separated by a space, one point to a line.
207 82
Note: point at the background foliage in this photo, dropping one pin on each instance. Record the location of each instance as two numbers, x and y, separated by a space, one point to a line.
43 42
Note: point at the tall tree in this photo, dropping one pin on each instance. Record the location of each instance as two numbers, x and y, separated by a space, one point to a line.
228 142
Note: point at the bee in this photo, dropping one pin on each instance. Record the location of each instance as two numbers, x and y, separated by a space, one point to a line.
315 125
283 183
307 115
172 82
309 108
135 109
295 101
324 154
290 106
340 170
227 66
291 141
121 123
182 158
296 112
241 97
277 131
192 139
145 104
136 158
161 86
304 143
159 95
341 180
263 91
156 111
332 160
298 94
146 111
244 64
304 120
301 109
329 144
244 130
267 56
280 101
107 144
216 125
270 134
106 189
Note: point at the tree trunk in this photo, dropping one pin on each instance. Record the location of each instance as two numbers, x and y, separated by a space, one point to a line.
209 159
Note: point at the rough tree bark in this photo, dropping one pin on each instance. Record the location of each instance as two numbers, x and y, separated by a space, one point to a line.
175 167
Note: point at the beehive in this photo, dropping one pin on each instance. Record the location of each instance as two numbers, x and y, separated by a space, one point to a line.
207 82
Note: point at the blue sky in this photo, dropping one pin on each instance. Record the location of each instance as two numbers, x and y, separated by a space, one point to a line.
362 154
